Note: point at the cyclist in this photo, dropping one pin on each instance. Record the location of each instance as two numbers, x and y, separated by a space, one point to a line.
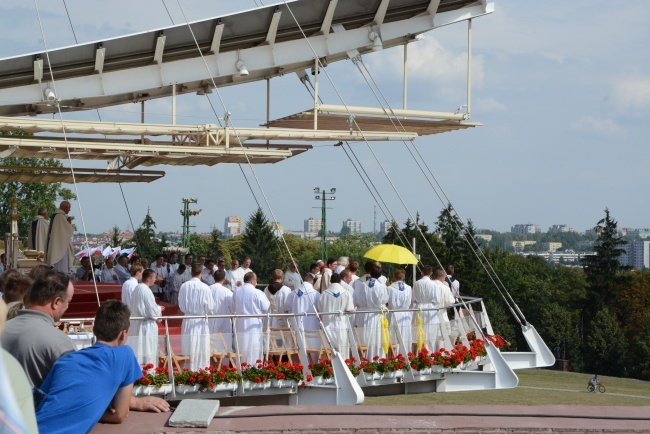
593 383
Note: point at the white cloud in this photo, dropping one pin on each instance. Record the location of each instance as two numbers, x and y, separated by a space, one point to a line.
591 125
557 57
632 93
489 105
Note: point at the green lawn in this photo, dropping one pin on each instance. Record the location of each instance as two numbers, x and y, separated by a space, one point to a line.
571 388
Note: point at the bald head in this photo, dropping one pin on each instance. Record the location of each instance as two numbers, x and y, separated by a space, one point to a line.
65 206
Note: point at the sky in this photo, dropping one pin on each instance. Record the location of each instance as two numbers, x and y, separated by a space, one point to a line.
562 88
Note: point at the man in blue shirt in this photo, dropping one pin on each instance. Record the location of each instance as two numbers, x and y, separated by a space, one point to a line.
95 383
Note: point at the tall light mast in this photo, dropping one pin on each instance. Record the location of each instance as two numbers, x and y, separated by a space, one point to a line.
321 195
186 212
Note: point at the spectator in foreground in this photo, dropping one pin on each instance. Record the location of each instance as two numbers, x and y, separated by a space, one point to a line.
15 289
109 367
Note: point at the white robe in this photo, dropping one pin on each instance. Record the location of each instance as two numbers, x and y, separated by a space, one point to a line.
399 297
195 298
109 276
144 333
324 281
429 293
37 234
223 305
175 283
235 276
161 274
127 291
249 300
207 277
337 299
339 268
305 300
59 246
373 298
122 274
292 279
278 303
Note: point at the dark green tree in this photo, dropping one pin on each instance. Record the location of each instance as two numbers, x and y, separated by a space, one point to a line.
605 346
215 247
115 239
345 230
449 229
261 245
144 239
198 245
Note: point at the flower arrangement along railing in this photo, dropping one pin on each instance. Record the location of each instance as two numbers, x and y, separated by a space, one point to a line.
154 381
384 367
207 380
263 375
322 372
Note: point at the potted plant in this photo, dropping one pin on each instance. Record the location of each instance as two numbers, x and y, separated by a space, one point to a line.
286 374
256 376
154 381
322 371
186 381
352 366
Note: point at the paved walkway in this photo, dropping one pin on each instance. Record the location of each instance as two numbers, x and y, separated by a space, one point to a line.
372 419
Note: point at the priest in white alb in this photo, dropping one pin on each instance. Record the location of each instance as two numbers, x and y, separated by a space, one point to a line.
109 274
305 300
37 232
221 328
292 277
431 294
337 299
129 286
370 295
143 334
248 300
399 298
277 294
195 298
59 252
235 275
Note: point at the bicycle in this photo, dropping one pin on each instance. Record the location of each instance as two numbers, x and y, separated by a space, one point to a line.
600 387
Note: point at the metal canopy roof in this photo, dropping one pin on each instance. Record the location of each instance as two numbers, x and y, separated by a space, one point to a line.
48 175
147 65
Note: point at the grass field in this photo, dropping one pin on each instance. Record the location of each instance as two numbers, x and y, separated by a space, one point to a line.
568 388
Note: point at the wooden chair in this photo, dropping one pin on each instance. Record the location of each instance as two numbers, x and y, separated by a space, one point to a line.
289 343
176 359
227 352
363 349
323 348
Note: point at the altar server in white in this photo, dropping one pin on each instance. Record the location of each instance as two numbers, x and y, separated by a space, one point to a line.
109 274
129 286
37 232
292 277
249 300
235 275
277 294
337 299
223 305
399 297
427 294
370 294
175 281
122 269
59 252
144 333
195 298
305 300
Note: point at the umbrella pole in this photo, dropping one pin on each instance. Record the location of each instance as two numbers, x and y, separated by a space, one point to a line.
414 265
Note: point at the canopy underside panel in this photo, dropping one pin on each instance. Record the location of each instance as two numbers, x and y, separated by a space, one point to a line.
48 175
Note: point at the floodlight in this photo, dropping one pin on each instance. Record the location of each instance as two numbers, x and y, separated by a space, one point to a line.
316 190
241 67
49 95
317 197
333 190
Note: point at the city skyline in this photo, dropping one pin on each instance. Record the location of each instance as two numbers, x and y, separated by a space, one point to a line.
554 114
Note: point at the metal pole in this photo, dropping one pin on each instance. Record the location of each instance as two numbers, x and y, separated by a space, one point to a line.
268 105
316 94
405 75
174 104
469 66
142 120
414 265
323 248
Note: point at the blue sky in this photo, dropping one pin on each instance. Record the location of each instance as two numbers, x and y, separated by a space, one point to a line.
563 90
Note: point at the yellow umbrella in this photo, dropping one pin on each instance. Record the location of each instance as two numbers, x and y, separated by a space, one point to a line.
392 254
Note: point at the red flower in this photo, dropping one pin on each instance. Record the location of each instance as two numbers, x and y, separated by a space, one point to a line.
309 378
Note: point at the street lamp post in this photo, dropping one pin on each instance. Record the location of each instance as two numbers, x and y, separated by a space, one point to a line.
322 195
186 212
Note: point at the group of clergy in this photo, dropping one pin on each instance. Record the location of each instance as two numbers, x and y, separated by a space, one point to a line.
53 237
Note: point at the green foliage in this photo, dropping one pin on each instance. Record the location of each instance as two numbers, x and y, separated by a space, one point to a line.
639 354
144 238
605 346
198 245
30 196
115 239
261 245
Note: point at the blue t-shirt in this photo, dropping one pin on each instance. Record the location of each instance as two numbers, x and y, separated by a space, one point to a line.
81 385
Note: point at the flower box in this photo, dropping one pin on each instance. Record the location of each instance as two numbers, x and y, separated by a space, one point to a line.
184 389
224 387
283 383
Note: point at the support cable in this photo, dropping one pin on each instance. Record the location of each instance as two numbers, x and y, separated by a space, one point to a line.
65 138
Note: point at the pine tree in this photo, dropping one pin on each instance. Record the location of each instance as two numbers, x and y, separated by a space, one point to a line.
144 238
260 244
605 347
215 247
449 230
115 240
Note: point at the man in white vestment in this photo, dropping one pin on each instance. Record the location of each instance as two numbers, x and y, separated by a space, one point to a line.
382 279
189 260
122 269
324 282
343 262
221 328
59 253
314 271
37 233
144 333
277 294
248 300
305 300
452 283
428 294
399 297
158 287
109 274
129 286
337 299
171 266
175 281
354 269
207 275
245 266
370 294
346 281
292 277
235 275
195 298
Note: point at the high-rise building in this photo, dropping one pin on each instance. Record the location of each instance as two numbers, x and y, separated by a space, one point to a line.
353 225
313 225
559 229
637 254
551 246
232 226
385 226
526 229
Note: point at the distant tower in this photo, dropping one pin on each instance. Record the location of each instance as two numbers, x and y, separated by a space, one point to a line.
374 220
186 212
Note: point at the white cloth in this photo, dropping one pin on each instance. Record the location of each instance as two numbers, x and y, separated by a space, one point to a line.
122 274
399 297
339 268
187 274
323 282
277 303
175 286
59 246
382 279
354 279
427 294
337 299
223 305
235 276
454 287
109 276
305 300
292 279
37 234
249 300
161 274
195 298
127 291
144 333
207 277
370 294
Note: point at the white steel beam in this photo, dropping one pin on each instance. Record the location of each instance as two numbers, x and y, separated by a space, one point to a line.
273 28
432 9
216 39
160 48
375 111
38 70
329 15
381 12
100 55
